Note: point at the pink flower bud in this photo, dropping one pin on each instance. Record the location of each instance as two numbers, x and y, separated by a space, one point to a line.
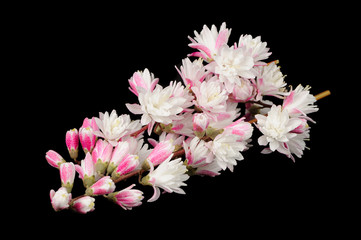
60 199
200 122
161 152
72 142
128 197
143 79
86 170
126 165
54 158
103 186
86 134
241 128
84 205
302 127
120 151
101 155
67 175
244 91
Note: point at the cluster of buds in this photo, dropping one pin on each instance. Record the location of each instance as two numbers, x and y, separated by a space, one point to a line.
198 122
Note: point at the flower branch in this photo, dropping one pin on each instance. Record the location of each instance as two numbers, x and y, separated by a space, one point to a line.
197 124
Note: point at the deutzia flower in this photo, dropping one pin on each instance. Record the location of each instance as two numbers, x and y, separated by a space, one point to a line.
112 127
192 73
300 102
143 79
211 97
60 199
162 105
231 64
169 175
257 49
209 41
270 81
277 129
197 154
226 149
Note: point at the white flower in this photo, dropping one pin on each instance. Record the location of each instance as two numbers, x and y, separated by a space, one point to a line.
270 81
60 199
143 79
209 41
162 105
192 73
277 129
231 64
226 149
197 154
211 97
169 175
254 47
300 102
112 127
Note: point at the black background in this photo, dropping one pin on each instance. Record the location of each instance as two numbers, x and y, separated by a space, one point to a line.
76 62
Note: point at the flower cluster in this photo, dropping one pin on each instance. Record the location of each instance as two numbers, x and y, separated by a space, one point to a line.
198 122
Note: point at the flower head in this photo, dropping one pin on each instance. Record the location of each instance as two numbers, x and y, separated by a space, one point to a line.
86 134
112 127
231 64
54 158
103 186
60 199
143 79
277 129
127 198
300 102
72 142
84 205
163 105
209 41
169 175
256 49
67 175
86 170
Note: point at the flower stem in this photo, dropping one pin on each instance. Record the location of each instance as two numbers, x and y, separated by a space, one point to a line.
322 94
135 134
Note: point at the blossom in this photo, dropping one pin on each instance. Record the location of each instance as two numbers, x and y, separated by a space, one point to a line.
67 175
210 97
126 165
72 142
243 91
120 151
143 79
254 47
112 127
197 154
103 186
192 73
127 198
86 170
231 64
169 175
226 149
270 81
200 124
300 102
101 155
210 169
84 205
162 105
60 199
209 41
86 134
54 158
277 129
241 129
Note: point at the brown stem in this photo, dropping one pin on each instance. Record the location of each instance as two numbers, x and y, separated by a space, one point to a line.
178 153
126 176
135 134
